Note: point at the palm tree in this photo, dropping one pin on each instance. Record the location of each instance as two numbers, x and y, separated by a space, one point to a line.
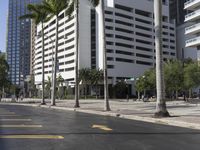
103 40
4 67
60 81
96 76
84 76
74 6
161 109
48 85
54 7
39 15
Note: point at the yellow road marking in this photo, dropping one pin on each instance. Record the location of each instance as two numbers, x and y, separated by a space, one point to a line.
21 126
31 137
102 127
15 119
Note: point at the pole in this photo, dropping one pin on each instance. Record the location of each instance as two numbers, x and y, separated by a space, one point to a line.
161 110
55 67
77 55
106 101
43 78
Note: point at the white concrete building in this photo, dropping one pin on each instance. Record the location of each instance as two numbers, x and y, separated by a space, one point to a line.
193 30
182 51
129 39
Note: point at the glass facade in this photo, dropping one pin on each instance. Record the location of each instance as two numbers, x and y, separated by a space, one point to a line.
18 40
177 11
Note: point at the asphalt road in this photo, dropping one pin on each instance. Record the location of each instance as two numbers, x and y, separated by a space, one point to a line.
27 128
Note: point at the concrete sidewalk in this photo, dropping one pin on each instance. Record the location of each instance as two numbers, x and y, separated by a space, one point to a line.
184 114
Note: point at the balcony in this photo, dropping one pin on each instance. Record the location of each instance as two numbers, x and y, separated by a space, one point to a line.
193 29
192 4
193 42
193 16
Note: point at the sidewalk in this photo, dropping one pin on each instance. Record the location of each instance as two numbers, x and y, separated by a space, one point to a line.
183 114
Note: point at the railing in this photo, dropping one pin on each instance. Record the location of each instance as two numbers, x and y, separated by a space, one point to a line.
190 42
193 13
192 27
188 2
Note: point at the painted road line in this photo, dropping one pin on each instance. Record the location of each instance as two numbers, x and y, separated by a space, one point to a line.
21 126
31 137
15 119
7 115
102 127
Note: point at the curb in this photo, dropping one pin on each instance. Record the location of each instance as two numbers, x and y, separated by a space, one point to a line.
163 121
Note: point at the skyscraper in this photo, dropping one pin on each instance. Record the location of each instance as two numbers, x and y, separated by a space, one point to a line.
177 11
18 40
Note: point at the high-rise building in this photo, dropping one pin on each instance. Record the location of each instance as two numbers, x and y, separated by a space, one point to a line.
18 40
32 53
177 11
129 26
193 29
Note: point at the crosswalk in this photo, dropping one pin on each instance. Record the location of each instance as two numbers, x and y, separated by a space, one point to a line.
11 120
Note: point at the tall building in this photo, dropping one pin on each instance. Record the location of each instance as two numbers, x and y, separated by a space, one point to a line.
193 29
177 11
130 46
18 40
32 53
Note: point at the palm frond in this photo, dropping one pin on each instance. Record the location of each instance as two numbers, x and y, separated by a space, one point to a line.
70 10
94 3
28 16
33 7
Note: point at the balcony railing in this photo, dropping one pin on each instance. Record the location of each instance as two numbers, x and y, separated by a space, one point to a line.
193 42
192 16
191 4
193 29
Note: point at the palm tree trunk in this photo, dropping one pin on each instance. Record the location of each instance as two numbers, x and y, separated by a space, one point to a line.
176 94
190 93
102 13
53 102
43 100
77 55
138 95
96 86
161 110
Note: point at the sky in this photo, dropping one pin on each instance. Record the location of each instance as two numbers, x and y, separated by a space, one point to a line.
3 23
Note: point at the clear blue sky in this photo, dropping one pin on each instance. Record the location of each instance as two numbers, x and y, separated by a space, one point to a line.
3 23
